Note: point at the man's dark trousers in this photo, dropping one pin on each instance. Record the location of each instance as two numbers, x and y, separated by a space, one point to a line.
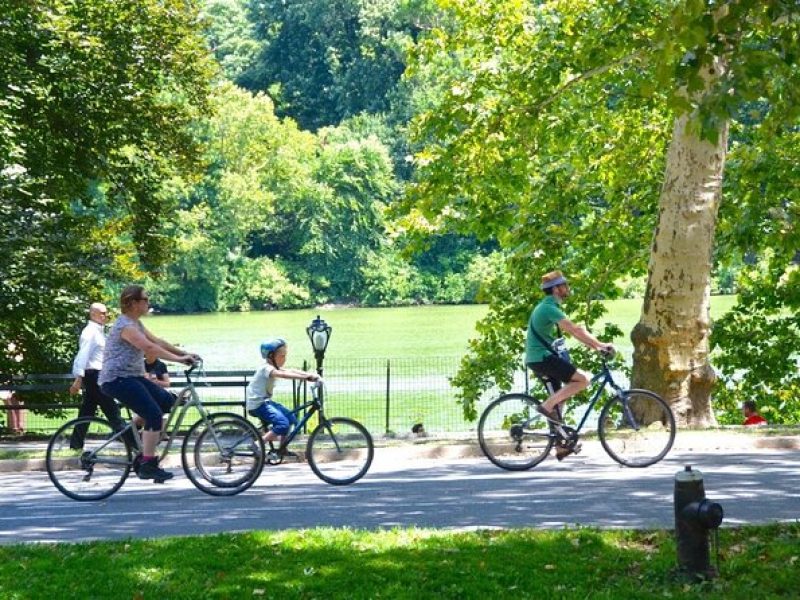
92 398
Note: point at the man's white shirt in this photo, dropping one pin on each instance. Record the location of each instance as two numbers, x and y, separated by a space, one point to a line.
90 353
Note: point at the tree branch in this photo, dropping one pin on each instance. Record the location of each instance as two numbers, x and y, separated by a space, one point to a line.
583 77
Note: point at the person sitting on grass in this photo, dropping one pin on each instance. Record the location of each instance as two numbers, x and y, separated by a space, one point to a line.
259 392
751 416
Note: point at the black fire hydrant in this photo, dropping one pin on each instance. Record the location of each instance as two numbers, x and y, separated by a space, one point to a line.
695 516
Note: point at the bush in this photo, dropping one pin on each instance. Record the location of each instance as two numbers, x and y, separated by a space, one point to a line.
756 347
389 280
261 283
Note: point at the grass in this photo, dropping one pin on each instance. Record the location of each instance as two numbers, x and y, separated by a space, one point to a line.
15 454
756 562
231 340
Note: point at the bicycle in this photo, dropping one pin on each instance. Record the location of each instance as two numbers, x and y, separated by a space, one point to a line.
222 453
339 450
636 427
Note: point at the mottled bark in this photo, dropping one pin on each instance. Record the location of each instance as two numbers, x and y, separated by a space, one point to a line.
671 339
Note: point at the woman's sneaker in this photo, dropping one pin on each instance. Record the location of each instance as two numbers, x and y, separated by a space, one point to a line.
149 469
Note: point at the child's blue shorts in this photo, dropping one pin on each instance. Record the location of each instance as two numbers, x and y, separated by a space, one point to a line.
277 414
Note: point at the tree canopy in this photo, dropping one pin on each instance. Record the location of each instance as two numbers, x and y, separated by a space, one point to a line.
326 60
98 97
552 130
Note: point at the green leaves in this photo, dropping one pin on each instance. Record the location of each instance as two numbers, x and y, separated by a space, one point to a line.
98 98
551 140
331 59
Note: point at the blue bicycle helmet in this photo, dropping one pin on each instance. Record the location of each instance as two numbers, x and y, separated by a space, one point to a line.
270 345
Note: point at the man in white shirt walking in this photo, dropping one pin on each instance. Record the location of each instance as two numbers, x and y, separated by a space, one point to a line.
86 367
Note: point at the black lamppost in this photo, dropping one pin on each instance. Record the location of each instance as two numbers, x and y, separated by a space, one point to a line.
319 332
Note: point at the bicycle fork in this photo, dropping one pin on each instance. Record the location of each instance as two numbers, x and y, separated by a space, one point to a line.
627 413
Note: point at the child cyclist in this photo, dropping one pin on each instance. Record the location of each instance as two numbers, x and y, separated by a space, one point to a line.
259 391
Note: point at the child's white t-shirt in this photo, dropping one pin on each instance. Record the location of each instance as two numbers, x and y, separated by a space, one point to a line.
260 387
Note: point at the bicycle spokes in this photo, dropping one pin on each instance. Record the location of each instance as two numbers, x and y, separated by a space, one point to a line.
637 429
87 460
513 434
222 455
340 451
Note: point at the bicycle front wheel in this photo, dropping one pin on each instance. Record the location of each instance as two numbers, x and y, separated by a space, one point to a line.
340 451
512 433
637 428
87 460
222 455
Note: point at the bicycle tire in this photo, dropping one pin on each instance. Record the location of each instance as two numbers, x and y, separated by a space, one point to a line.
340 451
225 471
638 437
95 470
512 433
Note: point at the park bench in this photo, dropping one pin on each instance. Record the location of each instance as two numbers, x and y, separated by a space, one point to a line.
42 384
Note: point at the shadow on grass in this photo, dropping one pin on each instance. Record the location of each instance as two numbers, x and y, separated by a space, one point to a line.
758 562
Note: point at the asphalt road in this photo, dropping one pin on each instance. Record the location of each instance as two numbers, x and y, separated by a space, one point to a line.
755 486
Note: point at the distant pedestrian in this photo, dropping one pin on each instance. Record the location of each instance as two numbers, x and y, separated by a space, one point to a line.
751 416
16 416
86 368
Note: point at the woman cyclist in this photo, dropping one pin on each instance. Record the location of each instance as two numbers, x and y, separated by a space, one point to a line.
123 376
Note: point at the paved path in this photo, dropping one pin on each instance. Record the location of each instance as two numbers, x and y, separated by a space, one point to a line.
755 486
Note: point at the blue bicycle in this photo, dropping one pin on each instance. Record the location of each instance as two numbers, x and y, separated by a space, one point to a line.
636 427
339 450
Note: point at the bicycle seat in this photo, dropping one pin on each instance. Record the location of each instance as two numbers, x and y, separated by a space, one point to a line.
548 383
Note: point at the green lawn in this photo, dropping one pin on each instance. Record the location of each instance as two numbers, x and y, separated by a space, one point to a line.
756 562
231 340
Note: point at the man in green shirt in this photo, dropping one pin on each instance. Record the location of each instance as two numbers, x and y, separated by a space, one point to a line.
543 360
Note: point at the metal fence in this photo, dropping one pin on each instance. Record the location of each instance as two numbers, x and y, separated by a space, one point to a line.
388 396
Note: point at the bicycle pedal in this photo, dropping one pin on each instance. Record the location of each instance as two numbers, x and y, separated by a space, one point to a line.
159 480
273 458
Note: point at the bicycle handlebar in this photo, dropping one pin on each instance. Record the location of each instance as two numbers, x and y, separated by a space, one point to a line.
197 364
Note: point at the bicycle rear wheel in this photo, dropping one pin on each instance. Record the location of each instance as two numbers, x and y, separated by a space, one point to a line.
637 428
512 434
340 451
93 469
223 455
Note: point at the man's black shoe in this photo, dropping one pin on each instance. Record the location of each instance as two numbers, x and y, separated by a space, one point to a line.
563 452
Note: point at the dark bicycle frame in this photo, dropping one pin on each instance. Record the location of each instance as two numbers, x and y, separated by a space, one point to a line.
607 380
317 406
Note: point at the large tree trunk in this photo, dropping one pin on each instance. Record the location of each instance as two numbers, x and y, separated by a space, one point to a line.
671 339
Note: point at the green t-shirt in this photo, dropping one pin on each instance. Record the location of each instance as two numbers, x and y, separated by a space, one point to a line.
543 318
